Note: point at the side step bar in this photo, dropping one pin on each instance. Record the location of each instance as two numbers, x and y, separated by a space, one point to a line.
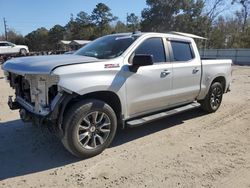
147 119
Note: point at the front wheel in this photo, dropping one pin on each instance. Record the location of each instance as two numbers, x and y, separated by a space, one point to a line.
213 99
89 128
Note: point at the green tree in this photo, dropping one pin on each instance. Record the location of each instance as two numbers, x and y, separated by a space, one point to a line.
102 17
217 36
245 38
55 34
38 40
190 19
83 18
85 27
80 27
244 11
120 27
226 33
178 15
72 29
133 22
14 37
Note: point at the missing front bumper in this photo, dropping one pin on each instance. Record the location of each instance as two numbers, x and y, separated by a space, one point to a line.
13 105
20 103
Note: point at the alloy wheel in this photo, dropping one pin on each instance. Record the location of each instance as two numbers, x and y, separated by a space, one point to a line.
94 129
216 97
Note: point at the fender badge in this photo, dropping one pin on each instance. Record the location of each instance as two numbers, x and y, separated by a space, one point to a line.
106 66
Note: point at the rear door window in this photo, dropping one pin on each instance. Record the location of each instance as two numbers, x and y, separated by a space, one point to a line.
182 51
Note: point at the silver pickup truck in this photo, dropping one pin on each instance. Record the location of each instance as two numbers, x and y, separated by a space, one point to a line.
117 80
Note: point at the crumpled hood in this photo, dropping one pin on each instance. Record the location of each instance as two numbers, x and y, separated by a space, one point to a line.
43 64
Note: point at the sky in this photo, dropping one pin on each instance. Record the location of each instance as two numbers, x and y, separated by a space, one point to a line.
25 16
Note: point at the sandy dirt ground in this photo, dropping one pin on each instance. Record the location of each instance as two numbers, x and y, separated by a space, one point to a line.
191 149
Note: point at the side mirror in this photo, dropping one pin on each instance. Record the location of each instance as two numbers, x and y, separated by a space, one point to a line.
142 60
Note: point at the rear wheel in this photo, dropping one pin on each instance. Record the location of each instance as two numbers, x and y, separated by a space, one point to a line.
213 99
89 128
23 52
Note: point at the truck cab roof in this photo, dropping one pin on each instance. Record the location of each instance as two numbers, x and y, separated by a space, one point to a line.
169 34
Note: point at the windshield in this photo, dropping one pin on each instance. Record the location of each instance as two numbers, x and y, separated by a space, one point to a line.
107 47
10 44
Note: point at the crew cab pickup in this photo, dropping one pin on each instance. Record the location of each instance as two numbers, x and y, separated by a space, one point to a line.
8 48
117 80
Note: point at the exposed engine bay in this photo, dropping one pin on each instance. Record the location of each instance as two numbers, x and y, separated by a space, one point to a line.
36 93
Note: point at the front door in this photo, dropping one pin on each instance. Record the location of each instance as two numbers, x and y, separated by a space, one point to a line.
149 88
4 48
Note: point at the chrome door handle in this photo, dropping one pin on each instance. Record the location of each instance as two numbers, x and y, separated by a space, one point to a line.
195 70
165 73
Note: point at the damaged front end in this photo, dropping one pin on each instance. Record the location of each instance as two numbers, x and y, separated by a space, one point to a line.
38 97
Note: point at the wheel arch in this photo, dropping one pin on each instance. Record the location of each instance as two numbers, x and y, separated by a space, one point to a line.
207 83
20 50
220 79
109 97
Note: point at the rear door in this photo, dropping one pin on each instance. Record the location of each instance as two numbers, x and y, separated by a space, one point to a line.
186 71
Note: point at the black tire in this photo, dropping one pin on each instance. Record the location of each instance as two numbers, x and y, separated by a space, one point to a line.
213 99
23 52
78 128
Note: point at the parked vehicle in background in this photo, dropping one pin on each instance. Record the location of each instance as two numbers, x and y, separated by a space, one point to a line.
70 52
8 48
117 80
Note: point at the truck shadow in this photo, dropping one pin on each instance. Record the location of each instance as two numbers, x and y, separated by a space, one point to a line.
130 134
26 149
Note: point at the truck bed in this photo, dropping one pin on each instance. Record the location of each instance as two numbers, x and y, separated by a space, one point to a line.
212 68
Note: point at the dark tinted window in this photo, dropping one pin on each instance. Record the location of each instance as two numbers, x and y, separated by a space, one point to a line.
2 44
182 51
154 47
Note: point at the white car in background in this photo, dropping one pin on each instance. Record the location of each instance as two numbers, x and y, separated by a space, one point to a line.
8 48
